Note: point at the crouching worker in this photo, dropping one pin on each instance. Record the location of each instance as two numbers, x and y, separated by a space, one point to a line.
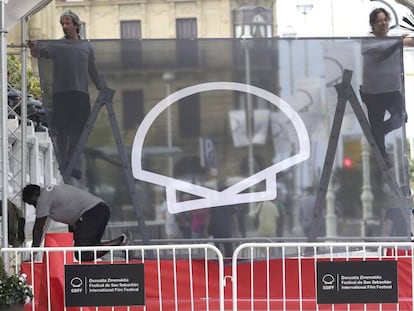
85 213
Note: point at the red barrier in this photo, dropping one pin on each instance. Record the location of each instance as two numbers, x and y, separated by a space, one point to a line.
197 270
55 265
307 289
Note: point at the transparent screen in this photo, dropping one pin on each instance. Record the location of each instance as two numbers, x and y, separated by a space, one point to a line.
229 138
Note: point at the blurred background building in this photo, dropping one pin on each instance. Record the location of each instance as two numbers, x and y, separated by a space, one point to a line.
289 73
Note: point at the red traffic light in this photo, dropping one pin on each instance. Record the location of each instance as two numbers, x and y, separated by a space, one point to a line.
347 162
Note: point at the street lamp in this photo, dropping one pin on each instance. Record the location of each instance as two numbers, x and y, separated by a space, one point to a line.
251 22
168 77
304 6
290 32
247 44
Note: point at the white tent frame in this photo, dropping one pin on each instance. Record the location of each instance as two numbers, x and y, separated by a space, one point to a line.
4 102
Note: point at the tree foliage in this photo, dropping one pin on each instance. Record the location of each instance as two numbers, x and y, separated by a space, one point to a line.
14 76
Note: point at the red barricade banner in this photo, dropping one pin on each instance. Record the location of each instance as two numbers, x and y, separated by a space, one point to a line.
298 286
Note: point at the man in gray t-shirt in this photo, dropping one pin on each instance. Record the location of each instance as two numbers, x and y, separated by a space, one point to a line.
73 63
87 214
381 86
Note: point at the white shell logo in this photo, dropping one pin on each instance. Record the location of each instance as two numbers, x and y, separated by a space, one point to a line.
76 282
76 285
328 279
234 194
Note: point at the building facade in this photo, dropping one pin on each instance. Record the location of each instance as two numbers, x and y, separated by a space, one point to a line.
149 19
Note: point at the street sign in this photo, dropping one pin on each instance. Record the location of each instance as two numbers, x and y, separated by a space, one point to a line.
104 285
357 282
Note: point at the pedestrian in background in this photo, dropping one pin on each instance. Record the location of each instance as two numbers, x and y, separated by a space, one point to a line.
306 206
199 222
222 225
268 215
171 228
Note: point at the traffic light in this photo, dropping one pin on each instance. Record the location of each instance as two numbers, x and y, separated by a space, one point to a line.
347 162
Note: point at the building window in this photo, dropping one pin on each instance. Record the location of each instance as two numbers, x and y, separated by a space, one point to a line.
186 28
131 45
189 116
130 29
252 22
132 109
187 49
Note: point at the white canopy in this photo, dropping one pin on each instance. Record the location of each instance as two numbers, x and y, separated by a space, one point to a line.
408 3
16 9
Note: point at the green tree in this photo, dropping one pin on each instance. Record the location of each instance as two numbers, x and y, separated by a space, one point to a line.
2 269
14 76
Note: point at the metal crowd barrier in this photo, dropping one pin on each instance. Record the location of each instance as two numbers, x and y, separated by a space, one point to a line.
285 275
259 276
177 277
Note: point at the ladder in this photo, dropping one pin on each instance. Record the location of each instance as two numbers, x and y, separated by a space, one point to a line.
347 94
105 98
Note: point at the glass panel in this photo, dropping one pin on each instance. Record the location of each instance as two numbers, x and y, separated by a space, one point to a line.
244 154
